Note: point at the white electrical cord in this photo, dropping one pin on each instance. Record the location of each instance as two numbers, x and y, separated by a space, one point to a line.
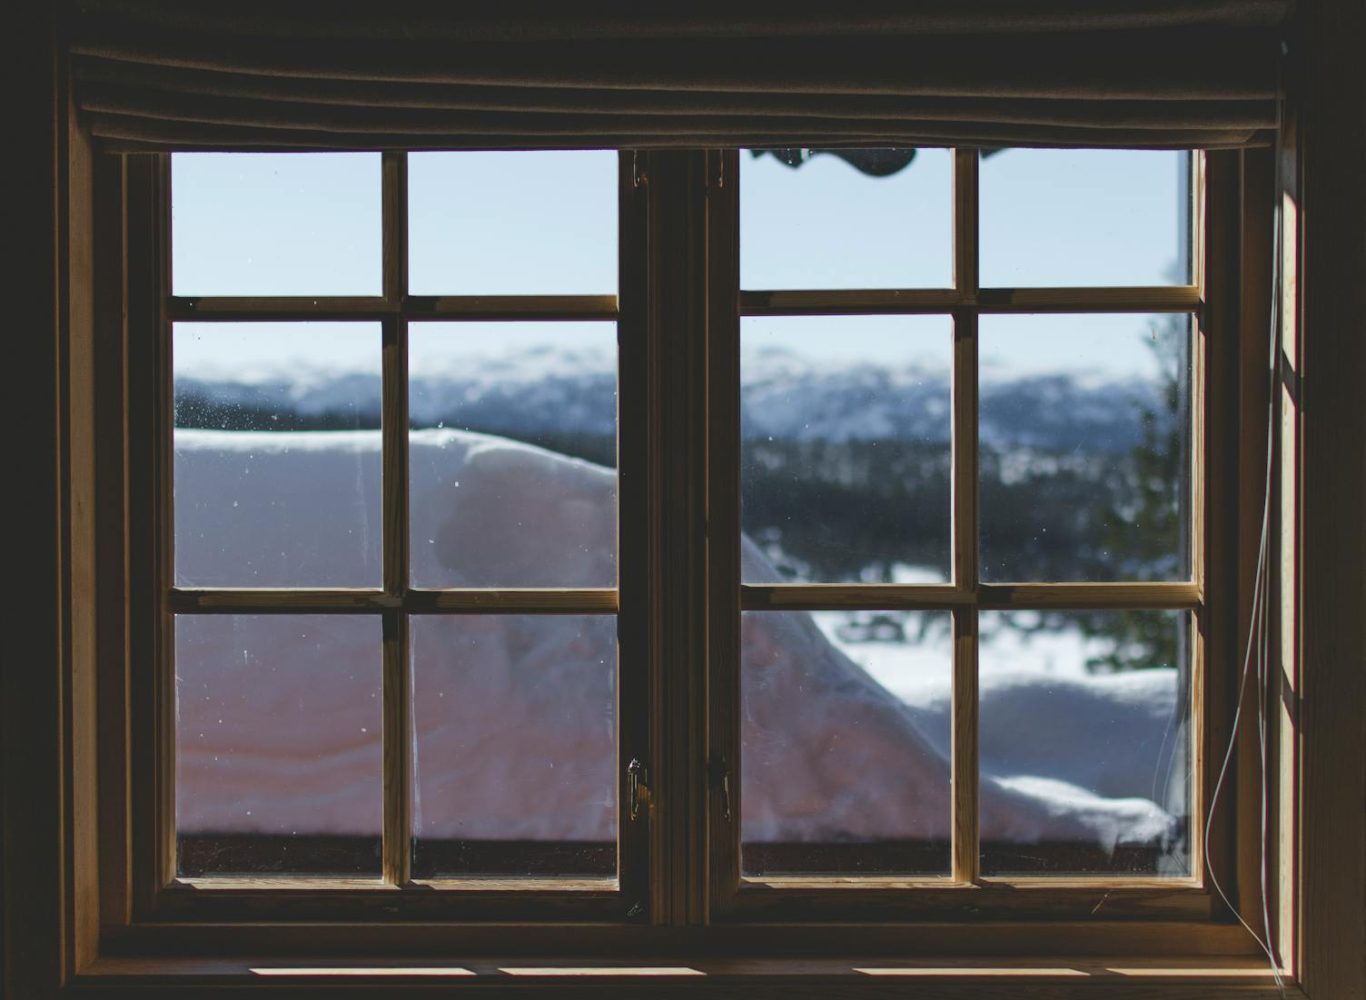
1258 639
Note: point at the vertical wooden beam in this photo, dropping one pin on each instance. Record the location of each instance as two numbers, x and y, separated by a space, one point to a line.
676 418
148 451
1217 350
1254 397
159 335
112 540
634 631
398 730
1333 543
725 694
80 505
1285 666
966 522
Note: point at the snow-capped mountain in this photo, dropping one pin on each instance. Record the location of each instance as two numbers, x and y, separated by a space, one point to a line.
785 396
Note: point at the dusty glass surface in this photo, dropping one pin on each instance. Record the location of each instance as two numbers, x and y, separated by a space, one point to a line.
844 742
1085 217
515 745
276 224
278 745
277 454
845 454
512 454
513 223
814 219
1088 714
1085 447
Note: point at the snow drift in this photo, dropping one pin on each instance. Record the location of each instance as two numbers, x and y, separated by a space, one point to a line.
279 716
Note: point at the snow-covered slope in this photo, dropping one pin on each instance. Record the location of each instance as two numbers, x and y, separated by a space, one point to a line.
279 717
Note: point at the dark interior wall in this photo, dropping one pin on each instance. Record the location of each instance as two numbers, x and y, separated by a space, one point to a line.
30 762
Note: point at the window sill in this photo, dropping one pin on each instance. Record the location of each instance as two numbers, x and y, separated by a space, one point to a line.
1059 977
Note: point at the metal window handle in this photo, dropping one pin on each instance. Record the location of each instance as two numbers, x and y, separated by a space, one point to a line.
637 780
720 774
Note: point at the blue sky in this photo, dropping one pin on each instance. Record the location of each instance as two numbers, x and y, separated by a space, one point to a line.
545 222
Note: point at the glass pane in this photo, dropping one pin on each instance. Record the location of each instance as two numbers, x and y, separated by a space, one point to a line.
845 468
844 742
277 454
855 218
1085 448
1085 217
541 223
515 755
276 224
512 454
278 744
1085 742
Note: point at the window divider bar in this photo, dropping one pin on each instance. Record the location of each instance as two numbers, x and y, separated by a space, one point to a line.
964 763
411 601
965 522
998 596
397 707
489 308
912 301
395 227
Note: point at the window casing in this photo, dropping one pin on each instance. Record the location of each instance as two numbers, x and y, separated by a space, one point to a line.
678 705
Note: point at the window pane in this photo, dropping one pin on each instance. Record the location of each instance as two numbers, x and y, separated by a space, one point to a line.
515 756
845 754
845 427
1085 217
1085 448
541 223
276 223
1085 742
278 744
513 454
813 219
277 454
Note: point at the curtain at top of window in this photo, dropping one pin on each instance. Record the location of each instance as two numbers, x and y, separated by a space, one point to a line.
161 75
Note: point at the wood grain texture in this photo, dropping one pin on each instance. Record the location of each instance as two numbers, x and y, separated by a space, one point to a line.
397 682
636 712
705 975
1333 544
397 303
909 301
725 802
1218 338
1286 542
819 596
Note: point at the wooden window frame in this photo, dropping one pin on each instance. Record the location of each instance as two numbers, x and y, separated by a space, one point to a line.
118 940
680 218
964 890
160 892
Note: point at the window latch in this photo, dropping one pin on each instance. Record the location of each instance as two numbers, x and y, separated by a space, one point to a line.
720 779
638 783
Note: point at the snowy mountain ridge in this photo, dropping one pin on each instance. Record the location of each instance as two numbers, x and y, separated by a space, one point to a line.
785 396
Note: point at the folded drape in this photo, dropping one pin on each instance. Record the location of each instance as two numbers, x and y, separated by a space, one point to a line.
152 74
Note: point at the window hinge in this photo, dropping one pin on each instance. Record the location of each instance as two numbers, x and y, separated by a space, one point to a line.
716 178
720 780
639 178
638 784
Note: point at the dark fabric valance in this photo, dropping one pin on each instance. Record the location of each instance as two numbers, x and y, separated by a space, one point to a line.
158 74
